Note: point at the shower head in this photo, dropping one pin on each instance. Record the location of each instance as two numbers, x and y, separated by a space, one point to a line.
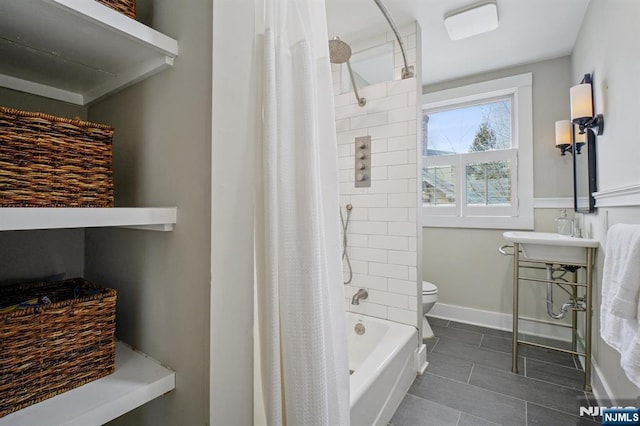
339 51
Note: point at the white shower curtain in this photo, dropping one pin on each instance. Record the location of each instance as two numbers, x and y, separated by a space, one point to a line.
304 366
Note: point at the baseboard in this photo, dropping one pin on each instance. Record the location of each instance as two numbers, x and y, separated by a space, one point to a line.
421 359
501 321
599 386
553 203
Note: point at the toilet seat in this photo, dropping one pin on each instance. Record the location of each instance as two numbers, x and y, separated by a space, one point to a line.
429 288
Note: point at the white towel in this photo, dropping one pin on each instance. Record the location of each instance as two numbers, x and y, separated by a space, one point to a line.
619 317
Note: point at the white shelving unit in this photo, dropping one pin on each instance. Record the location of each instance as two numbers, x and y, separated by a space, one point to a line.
154 219
137 380
76 51
79 51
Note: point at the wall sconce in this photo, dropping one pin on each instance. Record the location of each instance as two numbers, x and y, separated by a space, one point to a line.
564 137
580 139
582 107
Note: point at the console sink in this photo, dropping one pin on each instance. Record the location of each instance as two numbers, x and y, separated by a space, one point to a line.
547 246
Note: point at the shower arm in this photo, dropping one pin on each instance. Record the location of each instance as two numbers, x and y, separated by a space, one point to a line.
406 71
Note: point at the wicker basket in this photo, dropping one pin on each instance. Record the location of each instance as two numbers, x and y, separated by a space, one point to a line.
48 161
126 7
52 348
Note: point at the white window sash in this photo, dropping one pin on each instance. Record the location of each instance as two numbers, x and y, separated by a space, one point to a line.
510 155
460 161
439 161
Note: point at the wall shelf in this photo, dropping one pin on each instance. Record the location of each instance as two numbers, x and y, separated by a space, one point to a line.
137 380
155 219
76 51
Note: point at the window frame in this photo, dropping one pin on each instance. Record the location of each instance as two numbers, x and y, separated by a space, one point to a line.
520 214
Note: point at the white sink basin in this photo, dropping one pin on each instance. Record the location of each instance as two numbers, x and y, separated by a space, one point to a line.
547 246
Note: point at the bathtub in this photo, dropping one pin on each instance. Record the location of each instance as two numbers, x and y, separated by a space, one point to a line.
383 363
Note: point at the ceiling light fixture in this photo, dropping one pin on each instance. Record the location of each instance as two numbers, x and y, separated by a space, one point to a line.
472 20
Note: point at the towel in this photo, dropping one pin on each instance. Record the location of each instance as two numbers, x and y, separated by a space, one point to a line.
619 317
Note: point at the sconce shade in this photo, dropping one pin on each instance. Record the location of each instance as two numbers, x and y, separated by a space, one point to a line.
563 133
581 102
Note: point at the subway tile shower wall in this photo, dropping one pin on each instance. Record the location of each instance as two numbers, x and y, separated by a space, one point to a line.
382 234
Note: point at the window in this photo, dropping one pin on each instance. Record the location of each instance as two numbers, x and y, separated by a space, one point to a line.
477 156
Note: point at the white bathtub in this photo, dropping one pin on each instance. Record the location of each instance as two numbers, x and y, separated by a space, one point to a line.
384 366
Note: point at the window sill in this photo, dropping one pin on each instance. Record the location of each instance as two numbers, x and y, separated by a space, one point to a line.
478 222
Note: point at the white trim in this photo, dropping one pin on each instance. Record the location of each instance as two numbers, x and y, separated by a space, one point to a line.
485 222
501 321
553 203
421 359
26 218
520 87
477 91
624 196
599 386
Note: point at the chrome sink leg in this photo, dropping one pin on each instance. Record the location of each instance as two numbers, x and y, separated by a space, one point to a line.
514 348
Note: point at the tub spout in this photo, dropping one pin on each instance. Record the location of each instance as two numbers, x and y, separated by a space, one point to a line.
362 294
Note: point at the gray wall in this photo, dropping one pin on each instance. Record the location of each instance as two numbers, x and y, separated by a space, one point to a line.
607 47
162 157
465 263
37 254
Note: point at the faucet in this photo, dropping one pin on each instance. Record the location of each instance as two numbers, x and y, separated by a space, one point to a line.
575 228
361 294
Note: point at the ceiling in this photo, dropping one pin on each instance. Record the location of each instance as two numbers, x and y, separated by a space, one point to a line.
528 31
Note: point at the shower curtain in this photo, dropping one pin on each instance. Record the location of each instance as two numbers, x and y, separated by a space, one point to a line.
300 297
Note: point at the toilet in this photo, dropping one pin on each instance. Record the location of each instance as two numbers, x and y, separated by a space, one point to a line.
429 298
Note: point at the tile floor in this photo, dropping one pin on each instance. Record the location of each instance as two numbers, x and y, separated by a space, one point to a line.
469 382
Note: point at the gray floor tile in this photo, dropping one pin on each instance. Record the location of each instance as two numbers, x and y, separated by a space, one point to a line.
543 340
546 394
589 400
554 373
478 329
449 367
576 361
542 416
478 402
415 411
548 355
552 389
475 354
431 343
457 334
437 321
469 420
